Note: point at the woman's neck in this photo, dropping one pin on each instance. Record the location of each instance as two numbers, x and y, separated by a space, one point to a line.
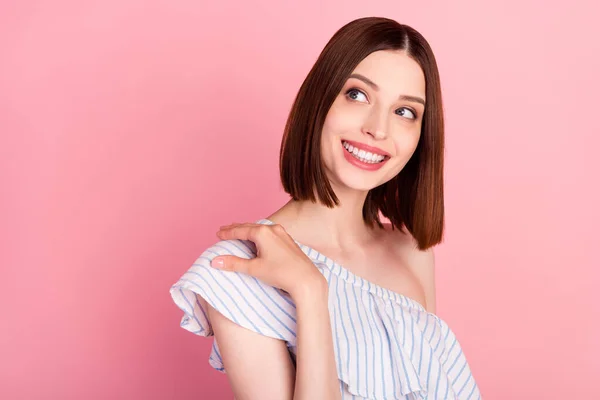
341 227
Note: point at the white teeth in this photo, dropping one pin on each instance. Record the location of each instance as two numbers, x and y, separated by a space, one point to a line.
362 155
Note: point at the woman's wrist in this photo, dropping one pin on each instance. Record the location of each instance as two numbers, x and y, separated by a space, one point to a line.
311 287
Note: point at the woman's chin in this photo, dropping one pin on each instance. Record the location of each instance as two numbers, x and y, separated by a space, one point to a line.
345 179
358 185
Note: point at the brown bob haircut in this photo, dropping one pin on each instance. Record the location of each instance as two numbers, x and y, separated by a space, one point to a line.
414 198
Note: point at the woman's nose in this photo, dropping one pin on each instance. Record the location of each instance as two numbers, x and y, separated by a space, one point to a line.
376 125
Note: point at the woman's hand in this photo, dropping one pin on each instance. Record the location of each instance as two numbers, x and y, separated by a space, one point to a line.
279 262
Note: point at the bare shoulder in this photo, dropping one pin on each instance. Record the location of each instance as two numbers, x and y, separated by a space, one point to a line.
420 262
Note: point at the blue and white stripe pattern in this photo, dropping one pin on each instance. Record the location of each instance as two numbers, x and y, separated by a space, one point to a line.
387 346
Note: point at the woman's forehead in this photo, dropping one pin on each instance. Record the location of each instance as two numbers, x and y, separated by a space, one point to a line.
394 71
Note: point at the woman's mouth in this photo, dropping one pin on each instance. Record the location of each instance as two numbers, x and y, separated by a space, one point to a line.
363 159
362 155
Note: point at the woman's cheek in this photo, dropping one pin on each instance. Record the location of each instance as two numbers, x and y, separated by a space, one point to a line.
341 119
331 123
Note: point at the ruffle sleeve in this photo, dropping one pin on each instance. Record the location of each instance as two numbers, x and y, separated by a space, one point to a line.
241 298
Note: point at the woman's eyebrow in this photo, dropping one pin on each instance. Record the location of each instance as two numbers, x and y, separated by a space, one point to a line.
369 82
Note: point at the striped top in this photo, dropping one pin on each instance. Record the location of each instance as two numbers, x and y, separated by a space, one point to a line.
386 345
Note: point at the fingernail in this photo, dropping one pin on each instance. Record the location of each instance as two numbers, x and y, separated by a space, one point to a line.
217 262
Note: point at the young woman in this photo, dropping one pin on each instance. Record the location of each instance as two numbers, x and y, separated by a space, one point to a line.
321 300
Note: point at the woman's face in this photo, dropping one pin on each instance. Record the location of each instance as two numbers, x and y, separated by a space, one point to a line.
373 118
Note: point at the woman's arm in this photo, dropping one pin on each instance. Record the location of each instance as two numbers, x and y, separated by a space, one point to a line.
259 367
316 374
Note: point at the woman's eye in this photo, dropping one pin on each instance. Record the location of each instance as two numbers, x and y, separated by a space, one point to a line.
412 113
354 93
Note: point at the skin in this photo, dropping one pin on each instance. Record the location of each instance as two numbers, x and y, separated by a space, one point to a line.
376 118
259 367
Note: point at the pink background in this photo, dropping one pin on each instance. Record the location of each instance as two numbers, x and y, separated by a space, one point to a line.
132 129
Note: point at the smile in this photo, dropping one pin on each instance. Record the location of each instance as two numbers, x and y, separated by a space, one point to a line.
366 160
362 155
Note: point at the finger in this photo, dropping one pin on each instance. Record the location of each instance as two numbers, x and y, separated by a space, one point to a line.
233 263
234 224
223 228
229 225
242 231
